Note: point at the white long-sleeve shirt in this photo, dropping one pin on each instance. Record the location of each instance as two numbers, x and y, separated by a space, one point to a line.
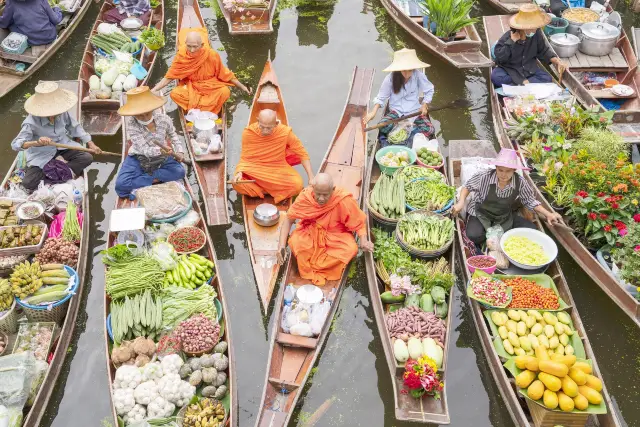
407 100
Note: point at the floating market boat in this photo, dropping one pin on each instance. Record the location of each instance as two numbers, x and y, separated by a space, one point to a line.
462 52
100 116
35 57
63 333
264 241
207 251
426 409
210 169
254 18
599 271
524 412
292 357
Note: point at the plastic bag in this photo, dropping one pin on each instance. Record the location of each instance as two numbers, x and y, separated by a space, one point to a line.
55 229
16 191
215 144
400 132
162 201
38 377
471 166
189 220
44 195
494 234
421 141
283 324
166 256
10 416
502 261
16 374
302 330
155 232
319 314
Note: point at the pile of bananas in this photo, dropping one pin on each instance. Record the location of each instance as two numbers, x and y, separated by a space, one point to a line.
6 295
26 279
205 413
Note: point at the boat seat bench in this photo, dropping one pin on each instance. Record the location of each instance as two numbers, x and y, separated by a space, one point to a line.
296 341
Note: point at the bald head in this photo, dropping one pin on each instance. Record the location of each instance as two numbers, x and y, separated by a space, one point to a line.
267 122
323 188
193 42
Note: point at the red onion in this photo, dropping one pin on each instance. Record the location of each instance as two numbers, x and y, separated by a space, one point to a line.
198 333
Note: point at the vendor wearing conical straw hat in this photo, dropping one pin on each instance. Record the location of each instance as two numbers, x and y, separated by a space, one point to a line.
49 123
151 157
401 91
518 51
495 196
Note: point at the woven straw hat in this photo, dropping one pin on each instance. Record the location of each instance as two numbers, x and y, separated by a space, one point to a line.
509 159
140 100
50 100
405 60
530 17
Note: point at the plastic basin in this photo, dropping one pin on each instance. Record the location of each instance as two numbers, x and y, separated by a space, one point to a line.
548 245
389 170
488 270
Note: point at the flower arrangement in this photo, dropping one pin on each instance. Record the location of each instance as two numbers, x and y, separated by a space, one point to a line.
402 285
627 254
603 217
421 377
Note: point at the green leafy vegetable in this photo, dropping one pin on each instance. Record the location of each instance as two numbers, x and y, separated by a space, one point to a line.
152 38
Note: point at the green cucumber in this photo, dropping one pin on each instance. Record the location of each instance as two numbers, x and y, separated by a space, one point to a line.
388 298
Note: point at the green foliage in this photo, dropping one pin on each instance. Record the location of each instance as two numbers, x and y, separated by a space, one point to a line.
602 145
627 255
450 16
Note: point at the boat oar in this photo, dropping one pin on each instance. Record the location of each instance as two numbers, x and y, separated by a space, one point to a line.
562 225
184 159
458 103
88 150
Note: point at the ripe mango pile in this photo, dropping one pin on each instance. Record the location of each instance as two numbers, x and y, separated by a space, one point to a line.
521 332
559 380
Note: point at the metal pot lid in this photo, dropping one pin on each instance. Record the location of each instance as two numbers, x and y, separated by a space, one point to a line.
565 39
600 31
266 210
614 19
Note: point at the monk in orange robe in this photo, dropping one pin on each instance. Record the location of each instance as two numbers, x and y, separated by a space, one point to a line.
203 80
323 241
269 150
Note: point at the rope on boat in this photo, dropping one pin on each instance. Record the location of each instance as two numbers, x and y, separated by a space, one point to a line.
275 405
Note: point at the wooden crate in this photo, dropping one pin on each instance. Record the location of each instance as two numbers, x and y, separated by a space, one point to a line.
544 418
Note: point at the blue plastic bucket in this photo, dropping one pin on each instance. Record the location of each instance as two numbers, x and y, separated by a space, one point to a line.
73 275
439 211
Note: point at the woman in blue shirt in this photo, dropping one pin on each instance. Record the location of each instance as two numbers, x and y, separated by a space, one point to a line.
33 18
402 89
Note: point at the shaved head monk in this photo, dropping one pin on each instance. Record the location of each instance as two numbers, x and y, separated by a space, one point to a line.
269 152
323 241
203 81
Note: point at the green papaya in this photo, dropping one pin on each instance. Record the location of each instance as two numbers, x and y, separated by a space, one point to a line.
441 310
389 298
394 307
412 300
426 303
438 294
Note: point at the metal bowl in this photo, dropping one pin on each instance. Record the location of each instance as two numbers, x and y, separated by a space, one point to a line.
131 24
32 203
266 215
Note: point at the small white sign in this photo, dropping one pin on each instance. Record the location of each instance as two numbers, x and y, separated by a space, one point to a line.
127 219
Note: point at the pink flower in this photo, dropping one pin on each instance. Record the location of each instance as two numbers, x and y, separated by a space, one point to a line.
547 148
623 232
636 217
637 248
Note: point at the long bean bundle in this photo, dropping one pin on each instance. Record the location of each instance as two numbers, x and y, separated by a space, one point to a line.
179 304
71 226
427 232
431 195
134 276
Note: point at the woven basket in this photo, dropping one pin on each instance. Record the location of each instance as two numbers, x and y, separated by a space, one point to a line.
421 253
5 337
55 312
9 322
379 218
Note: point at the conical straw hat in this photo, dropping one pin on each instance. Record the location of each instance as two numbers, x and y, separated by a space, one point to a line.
405 60
530 17
509 159
50 100
140 100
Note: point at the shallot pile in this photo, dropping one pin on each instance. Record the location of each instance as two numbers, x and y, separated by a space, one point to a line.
198 334
413 322
58 251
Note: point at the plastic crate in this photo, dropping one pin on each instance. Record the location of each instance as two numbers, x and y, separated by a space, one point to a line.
15 43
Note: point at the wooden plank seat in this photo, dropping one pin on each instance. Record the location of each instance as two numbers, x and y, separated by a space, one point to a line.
607 94
288 385
296 341
615 61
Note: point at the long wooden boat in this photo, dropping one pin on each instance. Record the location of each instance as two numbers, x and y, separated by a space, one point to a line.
292 357
255 19
426 409
601 274
34 58
263 241
35 414
208 252
100 116
463 52
523 413
210 169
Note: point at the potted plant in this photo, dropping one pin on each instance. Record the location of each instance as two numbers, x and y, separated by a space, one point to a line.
561 197
447 16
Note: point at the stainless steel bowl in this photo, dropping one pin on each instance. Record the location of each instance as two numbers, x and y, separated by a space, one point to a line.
564 44
266 215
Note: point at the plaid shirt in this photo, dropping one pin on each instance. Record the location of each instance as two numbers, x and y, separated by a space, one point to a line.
133 7
479 184
142 138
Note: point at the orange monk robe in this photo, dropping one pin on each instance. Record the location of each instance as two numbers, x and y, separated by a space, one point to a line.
323 241
268 160
203 79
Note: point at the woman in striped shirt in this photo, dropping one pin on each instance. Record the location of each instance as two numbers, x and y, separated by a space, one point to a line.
495 195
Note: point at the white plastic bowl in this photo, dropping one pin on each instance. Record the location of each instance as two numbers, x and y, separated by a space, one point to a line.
548 245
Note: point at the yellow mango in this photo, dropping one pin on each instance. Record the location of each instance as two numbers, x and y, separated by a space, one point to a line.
550 318
579 377
521 329
554 368
542 323
565 402
535 390
544 341
533 364
568 349
559 350
497 319
559 328
530 321
541 353
502 331
554 342
513 339
550 399
508 347
581 402
513 315
564 339
537 329
533 340
552 382
519 351
521 361
594 397
530 353
569 387
524 378
522 314
568 330
525 343
584 367
535 314
565 360
563 317
549 331
512 326
594 382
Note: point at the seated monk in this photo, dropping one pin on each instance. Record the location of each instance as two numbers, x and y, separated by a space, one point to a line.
269 150
323 241
202 78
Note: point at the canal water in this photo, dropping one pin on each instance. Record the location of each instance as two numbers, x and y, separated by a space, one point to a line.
314 48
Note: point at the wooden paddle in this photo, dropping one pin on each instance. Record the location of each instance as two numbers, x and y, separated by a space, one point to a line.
458 103
184 159
79 148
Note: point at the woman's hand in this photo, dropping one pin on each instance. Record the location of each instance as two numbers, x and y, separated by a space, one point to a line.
370 115
424 111
554 218
457 207
94 148
365 244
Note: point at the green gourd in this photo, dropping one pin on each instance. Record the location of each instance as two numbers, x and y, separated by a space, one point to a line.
426 303
438 294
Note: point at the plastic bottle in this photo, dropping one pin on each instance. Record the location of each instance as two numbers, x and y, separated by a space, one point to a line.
289 293
77 197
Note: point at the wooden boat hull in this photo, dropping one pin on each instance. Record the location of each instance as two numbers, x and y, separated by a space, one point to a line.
516 405
210 170
264 241
292 357
463 53
247 26
34 417
601 275
10 78
100 116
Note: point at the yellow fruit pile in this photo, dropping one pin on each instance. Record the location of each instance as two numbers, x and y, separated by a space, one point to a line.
560 381
6 295
521 332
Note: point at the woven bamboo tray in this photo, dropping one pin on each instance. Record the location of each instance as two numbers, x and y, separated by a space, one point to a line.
421 253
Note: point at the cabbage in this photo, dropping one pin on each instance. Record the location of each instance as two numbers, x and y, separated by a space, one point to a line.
123 67
105 28
109 76
102 64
